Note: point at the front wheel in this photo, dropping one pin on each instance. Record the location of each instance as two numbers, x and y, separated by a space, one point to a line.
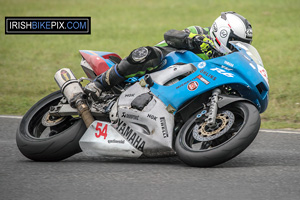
41 137
200 145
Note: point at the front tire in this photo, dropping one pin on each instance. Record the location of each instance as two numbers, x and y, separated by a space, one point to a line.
238 125
56 142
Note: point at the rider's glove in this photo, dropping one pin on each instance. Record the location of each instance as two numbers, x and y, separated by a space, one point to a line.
204 44
93 90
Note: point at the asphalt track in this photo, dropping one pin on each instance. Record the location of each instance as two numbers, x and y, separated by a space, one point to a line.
268 169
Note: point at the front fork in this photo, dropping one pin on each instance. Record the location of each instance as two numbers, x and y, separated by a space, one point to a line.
213 108
72 90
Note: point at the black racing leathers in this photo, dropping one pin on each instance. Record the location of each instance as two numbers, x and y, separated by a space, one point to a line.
146 59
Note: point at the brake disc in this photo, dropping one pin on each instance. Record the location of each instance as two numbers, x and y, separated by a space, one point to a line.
49 120
224 121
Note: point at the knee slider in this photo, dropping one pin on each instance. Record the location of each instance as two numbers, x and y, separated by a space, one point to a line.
139 61
139 55
144 54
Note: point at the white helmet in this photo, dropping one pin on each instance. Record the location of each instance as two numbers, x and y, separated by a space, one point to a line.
228 27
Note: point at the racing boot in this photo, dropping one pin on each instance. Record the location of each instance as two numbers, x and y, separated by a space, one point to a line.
103 82
93 89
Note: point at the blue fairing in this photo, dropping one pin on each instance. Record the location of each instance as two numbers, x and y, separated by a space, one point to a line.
242 70
236 69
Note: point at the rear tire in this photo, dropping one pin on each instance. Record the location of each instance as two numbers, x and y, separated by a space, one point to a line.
217 149
41 143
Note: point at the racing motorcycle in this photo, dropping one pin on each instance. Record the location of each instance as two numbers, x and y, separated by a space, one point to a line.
204 112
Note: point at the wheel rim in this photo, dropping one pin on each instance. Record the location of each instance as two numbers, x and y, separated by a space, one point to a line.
200 137
42 126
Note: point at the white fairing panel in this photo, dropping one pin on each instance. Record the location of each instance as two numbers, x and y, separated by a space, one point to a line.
149 130
133 131
101 139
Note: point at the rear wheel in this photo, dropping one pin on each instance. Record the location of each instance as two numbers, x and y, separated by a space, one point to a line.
41 137
200 145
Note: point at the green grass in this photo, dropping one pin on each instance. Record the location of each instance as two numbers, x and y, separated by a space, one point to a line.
28 62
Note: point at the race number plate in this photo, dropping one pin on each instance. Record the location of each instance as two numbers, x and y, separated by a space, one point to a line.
101 139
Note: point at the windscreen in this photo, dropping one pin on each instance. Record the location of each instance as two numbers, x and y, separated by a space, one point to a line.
250 50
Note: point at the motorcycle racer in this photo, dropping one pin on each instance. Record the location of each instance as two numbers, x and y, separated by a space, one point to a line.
228 27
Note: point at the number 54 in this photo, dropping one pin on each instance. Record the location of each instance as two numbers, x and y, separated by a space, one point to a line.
102 131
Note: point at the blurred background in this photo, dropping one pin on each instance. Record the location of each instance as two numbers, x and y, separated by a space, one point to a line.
29 62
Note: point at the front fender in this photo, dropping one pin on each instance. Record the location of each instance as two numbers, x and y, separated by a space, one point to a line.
225 100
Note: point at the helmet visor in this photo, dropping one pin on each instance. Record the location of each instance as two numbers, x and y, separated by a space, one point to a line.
234 37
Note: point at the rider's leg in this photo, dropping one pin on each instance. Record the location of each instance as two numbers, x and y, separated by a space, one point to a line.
140 61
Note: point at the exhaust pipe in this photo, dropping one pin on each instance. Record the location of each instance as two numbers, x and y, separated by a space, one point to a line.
72 90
